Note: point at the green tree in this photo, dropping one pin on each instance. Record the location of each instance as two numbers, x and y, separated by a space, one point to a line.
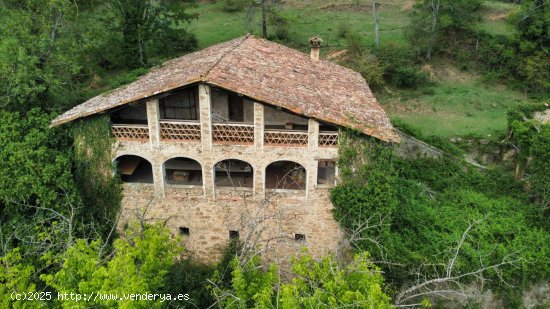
326 284
38 66
313 284
430 19
264 12
534 45
445 219
137 265
38 197
15 276
152 28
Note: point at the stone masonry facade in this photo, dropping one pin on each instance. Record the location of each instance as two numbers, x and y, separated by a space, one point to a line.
269 219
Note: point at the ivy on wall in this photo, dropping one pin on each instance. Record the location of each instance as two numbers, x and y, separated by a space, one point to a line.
101 192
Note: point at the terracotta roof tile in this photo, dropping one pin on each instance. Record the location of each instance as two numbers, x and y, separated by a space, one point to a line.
267 72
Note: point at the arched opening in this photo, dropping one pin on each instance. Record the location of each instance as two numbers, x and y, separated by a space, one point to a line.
183 171
134 169
287 175
233 173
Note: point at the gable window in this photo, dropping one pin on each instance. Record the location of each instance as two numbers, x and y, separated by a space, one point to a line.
181 105
326 173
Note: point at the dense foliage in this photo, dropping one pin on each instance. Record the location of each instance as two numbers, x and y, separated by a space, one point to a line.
59 201
314 284
93 171
532 139
39 65
412 214
151 28
39 200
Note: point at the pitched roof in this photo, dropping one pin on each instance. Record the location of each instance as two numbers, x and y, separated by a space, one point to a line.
264 71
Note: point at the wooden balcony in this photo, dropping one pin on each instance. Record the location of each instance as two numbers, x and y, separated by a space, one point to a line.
328 139
285 137
180 130
130 131
233 133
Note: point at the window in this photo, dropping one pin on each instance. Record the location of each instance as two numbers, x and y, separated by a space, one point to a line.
233 235
300 237
326 173
184 231
181 105
236 112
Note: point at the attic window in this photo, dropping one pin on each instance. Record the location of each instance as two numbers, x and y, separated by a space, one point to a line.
184 231
181 105
300 237
233 235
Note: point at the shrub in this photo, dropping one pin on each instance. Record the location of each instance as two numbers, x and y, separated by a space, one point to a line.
232 6
434 202
354 43
400 67
370 68
343 30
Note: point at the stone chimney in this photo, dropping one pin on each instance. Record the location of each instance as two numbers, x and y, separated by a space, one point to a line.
315 43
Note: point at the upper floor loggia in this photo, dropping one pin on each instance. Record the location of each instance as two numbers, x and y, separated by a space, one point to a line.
201 111
244 91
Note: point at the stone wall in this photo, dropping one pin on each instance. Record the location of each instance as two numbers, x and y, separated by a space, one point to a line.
411 147
270 223
210 213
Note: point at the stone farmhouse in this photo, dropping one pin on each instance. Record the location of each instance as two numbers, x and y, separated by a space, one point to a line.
238 140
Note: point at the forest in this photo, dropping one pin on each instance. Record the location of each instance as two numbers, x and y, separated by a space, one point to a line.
470 77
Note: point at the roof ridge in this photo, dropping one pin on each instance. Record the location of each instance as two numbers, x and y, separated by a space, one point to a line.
244 38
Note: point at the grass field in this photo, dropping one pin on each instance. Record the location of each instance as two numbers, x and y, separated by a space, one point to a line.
459 103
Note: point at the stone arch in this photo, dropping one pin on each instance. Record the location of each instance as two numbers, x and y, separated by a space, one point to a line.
233 173
285 174
134 169
182 171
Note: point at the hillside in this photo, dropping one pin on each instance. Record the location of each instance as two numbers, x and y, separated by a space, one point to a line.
181 186
458 102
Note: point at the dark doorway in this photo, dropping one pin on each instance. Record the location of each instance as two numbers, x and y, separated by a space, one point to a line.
236 113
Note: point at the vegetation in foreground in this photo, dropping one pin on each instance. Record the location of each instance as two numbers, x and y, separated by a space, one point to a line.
422 221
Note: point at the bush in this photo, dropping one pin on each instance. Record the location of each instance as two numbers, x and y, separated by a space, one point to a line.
343 30
400 67
281 26
370 68
419 210
188 277
232 6
172 42
354 43
407 77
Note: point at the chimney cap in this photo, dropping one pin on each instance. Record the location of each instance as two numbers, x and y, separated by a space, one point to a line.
315 41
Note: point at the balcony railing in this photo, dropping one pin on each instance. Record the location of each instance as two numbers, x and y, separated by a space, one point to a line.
284 137
328 139
233 133
130 131
180 130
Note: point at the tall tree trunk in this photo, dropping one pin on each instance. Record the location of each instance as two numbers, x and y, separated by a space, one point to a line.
434 6
264 20
376 27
